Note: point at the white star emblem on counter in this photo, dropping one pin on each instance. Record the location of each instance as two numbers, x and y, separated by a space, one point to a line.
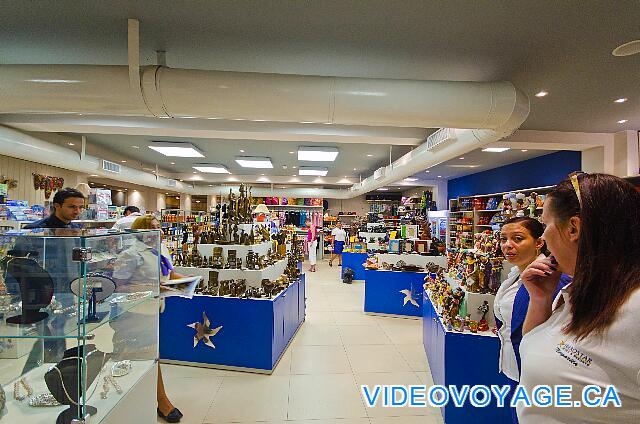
204 331
408 298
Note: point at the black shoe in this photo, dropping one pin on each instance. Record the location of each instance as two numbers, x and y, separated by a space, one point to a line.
330 264
172 417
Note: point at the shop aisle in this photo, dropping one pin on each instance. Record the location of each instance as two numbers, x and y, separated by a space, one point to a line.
317 380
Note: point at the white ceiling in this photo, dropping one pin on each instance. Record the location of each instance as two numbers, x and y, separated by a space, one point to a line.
562 47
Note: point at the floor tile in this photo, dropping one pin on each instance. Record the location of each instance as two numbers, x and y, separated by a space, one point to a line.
319 360
353 318
415 356
250 397
320 317
283 367
425 378
317 335
193 396
322 397
377 358
403 334
363 335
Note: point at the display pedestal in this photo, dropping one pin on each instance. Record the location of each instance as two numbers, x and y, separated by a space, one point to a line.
253 277
253 333
354 261
393 292
463 358
412 259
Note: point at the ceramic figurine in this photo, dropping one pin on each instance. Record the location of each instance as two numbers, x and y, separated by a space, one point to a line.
473 326
520 205
533 204
458 324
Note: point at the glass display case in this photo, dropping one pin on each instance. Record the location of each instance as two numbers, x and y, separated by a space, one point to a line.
79 322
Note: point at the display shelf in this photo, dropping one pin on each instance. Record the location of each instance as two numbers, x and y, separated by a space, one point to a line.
293 207
241 249
488 210
393 292
253 277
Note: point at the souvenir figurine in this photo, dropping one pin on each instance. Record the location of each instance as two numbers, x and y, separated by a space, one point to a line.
520 205
533 204
225 287
467 322
484 308
473 326
507 207
458 324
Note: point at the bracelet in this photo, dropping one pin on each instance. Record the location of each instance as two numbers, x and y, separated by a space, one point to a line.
16 389
44 399
121 368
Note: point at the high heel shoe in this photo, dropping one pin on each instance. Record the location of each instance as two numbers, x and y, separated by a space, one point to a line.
172 417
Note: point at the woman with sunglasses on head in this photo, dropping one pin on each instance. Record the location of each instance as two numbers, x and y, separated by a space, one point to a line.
521 243
589 334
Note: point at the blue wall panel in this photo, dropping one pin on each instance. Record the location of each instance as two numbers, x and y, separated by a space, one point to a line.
537 172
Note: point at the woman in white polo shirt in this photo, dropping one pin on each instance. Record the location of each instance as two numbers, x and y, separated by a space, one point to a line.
339 237
590 334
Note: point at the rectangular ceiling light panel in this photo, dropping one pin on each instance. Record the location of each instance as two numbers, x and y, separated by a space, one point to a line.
317 154
211 168
495 149
320 172
254 162
176 149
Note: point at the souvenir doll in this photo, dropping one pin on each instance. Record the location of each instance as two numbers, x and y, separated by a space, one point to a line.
467 322
458 324
520 204
507 207
484 308
532 204
473 326
478 241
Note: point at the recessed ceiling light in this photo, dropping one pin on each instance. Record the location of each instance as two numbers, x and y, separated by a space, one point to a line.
291 153
439 176
369 155
524 150
210 185
320 172
181 180
622 121
123 161
263 179
541 93
197 201
195 172
495 149
241 151
383 189
463 166
354 169
427 171
71 144
135 147
282 187
461 158
254 162
410 179
173 163
211 168
176 149
167 193
93 175
317 154
620 100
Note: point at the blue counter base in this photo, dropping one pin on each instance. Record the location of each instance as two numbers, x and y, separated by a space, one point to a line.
393 292
354 261
249 334
463 358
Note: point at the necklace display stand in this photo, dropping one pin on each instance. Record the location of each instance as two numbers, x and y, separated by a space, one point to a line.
36 289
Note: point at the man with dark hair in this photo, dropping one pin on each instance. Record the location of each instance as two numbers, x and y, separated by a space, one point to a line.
68 203
131 213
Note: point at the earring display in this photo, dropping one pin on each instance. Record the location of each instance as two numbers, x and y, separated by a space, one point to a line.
98 288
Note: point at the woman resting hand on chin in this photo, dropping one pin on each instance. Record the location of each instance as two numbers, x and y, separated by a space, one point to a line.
521 243
588 335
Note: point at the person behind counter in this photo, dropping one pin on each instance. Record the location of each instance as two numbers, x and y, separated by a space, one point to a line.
589 335
521 243
68 204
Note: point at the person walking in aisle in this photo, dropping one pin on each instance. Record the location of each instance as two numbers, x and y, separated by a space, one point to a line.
312 244
589 334
521 243
131 213
339 237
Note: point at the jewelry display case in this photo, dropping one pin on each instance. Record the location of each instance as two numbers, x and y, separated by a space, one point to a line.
78 324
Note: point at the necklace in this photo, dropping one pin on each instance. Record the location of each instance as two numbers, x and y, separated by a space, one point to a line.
104 357
16 389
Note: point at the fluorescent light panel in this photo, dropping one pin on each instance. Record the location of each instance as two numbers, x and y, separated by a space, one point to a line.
176 149
319 172
317 154
495 149
211 168
254 162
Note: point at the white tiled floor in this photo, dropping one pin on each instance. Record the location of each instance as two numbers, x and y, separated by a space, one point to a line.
317 380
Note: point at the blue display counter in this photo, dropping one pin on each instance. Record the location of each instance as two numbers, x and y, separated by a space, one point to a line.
354 261
463 358
244 334
393 292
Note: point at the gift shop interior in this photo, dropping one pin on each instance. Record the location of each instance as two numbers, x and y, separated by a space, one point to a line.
216 212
